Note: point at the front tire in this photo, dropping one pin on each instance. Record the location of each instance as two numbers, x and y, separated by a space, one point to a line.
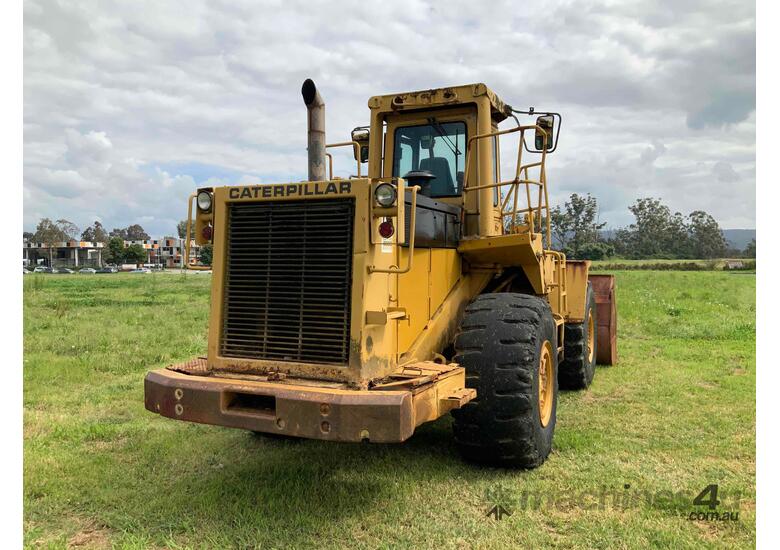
507 344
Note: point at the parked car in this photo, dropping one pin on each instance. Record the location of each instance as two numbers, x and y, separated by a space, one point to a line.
43 269
107 270
87 271
25 271
140 270
63 271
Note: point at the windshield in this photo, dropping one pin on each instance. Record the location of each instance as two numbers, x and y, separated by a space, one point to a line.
439 148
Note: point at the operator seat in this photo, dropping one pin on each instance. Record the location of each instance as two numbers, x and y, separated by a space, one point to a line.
443 184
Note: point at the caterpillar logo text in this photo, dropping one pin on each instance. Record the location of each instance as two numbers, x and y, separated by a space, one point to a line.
291 189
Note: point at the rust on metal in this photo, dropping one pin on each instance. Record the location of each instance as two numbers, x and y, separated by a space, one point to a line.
606 312
383 414
197 366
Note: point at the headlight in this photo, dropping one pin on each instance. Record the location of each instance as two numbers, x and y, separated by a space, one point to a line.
204 201
385 195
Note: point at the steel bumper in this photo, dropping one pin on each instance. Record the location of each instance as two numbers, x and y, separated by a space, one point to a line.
297 410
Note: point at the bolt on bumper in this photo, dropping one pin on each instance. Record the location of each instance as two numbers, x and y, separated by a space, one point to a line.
313 412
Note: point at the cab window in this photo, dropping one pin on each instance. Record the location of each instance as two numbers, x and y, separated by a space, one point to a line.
439 148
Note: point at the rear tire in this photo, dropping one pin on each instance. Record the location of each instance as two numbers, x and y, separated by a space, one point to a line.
505 339
580 346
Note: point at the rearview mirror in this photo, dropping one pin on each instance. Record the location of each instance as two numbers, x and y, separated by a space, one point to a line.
361 135
546 123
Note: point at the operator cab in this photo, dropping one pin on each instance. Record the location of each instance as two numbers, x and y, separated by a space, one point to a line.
432 156
445 141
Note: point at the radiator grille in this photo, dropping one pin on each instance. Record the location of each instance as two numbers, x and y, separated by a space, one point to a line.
288 281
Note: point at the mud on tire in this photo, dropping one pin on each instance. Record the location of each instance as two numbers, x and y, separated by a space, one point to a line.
499 344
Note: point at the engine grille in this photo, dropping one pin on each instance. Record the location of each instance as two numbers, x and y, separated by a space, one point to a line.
288 281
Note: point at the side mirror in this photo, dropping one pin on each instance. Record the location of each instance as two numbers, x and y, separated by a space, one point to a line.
360 135
546 123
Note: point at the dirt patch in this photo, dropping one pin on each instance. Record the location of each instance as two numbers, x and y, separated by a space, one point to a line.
92 536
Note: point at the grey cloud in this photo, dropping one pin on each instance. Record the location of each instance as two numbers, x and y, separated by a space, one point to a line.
725 172
113 91
651 153
723 109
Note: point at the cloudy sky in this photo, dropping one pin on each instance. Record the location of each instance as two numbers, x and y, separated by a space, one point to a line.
128 106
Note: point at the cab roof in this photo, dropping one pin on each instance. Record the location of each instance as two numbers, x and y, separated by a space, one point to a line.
440 97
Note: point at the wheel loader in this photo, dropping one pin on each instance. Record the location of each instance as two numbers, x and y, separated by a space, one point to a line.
356 309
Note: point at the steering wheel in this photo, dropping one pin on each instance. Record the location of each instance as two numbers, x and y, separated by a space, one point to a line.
423 178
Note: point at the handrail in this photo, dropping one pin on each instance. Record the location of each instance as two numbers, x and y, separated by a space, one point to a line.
330 165
344 144
559 259
412 226
186 261
536 214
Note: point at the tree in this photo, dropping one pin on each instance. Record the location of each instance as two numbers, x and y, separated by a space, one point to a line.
28 236
95 233
116 251
181 227
130 233
69 229
596 251
206 254
135 253
705 236
656 233
47 233
119 233
659 233
575 226
50 233
561 227
136 233
750 249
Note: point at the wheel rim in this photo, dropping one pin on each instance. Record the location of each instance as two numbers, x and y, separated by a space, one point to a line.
546 383
591 339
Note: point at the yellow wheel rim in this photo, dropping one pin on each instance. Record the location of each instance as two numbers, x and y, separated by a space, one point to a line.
546 383
591 339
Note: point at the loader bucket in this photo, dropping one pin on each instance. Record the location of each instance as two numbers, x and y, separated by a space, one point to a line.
606 312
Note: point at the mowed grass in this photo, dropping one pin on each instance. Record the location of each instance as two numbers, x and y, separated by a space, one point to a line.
675 415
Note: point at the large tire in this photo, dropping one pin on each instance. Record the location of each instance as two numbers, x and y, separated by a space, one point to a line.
501 340
579 357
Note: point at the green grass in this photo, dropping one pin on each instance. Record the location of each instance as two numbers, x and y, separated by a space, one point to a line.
670 264
676 414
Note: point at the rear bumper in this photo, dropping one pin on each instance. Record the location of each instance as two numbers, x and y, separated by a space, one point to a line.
302 411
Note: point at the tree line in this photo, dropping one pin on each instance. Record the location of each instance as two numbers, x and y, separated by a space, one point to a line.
657 232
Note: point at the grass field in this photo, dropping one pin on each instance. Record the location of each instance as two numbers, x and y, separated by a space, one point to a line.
749 264
675 415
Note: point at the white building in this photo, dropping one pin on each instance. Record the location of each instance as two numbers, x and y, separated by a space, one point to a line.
167 252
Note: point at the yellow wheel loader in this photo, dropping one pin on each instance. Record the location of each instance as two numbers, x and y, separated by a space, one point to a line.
356 309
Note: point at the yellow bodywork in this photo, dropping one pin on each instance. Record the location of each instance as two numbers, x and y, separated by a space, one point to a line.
407 300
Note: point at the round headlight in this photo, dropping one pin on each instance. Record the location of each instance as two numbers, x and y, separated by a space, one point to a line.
204 201
385 195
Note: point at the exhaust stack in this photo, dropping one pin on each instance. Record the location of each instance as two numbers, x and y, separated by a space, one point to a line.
315 129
